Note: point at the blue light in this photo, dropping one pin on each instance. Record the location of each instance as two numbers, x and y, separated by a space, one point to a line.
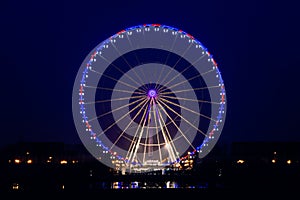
152 93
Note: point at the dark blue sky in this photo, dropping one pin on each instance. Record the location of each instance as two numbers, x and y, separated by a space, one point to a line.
255 43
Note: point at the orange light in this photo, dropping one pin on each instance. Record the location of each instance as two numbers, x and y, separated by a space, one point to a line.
29 161
63 162
240 161
273 161
15 186
288 162
17 161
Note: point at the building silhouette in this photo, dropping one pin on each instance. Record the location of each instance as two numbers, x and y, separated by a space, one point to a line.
56 167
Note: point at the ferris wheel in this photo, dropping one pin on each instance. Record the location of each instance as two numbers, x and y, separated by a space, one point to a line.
148 96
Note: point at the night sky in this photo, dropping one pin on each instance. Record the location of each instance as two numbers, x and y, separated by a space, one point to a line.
255 43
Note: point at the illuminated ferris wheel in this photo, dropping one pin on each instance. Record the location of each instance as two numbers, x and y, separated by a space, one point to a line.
147 96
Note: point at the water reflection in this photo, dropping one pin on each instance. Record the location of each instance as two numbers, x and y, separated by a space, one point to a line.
147 185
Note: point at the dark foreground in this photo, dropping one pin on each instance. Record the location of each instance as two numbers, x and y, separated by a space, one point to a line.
246 193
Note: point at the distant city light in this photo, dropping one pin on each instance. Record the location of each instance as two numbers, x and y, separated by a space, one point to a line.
17 161
189 162
63 162
240 161
49 159
15 186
